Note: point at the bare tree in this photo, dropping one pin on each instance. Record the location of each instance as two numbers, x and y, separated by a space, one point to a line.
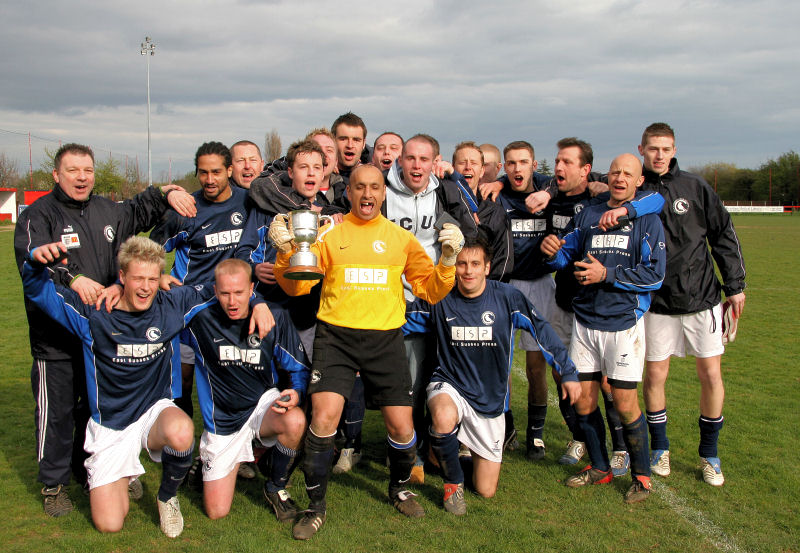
272 146
9 172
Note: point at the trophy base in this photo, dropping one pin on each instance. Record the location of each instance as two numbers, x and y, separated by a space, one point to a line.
304 272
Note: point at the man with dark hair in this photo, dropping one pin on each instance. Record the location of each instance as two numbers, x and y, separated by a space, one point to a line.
350 133
531 277
130 368
202 242
92 227
475 326
237 390
686 316
361 311
247 162
617 271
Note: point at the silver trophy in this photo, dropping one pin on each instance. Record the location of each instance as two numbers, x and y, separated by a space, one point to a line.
304 226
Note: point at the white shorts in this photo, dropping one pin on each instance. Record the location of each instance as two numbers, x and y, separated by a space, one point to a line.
698 334
541 292
187 354
618 355
221 453
114 454
483 435
561 321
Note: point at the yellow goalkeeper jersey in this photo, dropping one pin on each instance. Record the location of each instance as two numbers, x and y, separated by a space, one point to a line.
363 262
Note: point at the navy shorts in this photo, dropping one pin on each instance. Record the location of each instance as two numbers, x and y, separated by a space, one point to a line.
379 355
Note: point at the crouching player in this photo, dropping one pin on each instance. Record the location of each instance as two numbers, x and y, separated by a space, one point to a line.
132 373
619 270
475 327
237 383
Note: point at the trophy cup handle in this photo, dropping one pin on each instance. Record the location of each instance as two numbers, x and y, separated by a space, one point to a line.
330 225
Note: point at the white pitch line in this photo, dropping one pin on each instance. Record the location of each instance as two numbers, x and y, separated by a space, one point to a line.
705 527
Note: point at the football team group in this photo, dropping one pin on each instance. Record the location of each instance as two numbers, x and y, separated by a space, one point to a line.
418 276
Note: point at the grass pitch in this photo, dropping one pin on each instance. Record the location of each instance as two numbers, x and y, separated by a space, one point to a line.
756 509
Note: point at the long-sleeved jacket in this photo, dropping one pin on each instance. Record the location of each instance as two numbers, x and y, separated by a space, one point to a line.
634 258
694 219
93 231
363 262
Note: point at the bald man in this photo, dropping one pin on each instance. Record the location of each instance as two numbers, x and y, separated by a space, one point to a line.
362 308
618 271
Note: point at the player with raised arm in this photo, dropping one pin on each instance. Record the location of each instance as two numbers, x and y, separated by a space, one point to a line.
132 374
361 311
475 326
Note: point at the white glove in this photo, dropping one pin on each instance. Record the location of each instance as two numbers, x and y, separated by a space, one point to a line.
452 240
279 234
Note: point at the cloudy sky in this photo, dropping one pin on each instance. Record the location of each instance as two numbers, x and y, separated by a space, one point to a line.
723 73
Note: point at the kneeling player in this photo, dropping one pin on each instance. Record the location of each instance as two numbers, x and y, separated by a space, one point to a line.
619 270
129 354
475 327
236 388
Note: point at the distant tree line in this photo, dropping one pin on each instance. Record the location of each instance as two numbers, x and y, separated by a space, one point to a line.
776 182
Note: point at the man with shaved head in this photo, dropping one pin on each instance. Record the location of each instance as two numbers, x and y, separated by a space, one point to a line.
617 270
492 163
362 308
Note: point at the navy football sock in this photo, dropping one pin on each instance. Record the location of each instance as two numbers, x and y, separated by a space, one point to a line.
570 416
445 447
657 423
536 416
353 415
281 466
614 423
635 435
401 460
595 431
174 467
317 466
709 433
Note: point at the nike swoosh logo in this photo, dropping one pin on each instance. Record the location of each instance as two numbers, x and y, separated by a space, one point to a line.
205 226
116 333
448 319
343 247
218 340
509 210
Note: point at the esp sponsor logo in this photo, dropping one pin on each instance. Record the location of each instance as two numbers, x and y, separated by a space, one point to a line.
616 241
471 333
366 276
528 225
223 238
137 350
232 353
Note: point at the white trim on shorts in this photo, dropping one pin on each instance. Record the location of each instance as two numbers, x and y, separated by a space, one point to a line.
698 334
114 454
541 292
618 355
220 453
483 435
